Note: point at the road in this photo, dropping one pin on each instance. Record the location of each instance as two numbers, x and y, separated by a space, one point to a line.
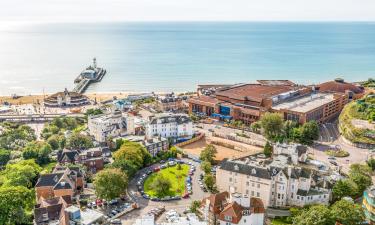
147 205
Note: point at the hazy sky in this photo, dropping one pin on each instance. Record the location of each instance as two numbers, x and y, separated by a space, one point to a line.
179 10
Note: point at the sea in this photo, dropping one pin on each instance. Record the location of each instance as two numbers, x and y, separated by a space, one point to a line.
177 56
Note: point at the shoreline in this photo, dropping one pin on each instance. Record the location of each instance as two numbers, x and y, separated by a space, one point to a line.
99 96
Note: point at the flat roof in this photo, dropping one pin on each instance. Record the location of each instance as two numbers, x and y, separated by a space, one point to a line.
305 103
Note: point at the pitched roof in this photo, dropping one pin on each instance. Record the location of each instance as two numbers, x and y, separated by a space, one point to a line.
253 92
339 85
245 169
48 179
232 210
53 207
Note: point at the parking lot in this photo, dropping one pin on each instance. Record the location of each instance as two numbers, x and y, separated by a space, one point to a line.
147 205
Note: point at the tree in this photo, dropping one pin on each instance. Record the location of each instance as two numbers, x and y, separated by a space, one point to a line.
347 212
315 215
209 181
110 183
344 188
14 201
289 125
272 124
195 205
93 112
16 136
22 173
309 132
371 163
206 166
130 157
79 141
37 150
268 149
360 174
208 153
161 185
256 126
4 157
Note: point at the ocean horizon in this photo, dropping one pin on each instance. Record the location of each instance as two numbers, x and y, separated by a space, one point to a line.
176 56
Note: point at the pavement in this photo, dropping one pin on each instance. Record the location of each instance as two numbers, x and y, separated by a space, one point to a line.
146 205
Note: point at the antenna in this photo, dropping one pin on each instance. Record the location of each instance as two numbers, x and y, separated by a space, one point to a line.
94 62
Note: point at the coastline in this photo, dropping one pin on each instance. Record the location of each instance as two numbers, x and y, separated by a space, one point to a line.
99 96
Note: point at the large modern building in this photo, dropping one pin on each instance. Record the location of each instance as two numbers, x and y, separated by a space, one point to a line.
176 126
338 85
277 182
248 102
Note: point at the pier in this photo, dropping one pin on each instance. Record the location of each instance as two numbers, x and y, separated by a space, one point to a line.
92 74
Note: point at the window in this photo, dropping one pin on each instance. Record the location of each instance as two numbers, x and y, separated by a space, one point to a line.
247 183
258 194
258 185
228 218
278 196
252 193
230 179
247 192
252 184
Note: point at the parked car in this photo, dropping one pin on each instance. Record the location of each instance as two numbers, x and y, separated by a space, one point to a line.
115 221
333 163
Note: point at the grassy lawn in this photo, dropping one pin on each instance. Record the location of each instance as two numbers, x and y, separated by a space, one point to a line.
177 178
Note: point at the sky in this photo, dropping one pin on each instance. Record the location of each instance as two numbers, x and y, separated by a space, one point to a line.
185 10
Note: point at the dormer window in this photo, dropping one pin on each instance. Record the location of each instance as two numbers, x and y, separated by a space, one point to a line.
236 168
228 218
253 171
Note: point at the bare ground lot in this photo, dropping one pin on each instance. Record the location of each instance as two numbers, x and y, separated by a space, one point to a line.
222 152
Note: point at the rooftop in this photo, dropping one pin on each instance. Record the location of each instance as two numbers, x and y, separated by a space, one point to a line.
253 92
305 103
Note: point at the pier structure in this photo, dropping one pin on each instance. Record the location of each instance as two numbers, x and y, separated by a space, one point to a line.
91 74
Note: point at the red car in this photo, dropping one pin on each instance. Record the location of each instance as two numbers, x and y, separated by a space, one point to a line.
99 202
156 169
186 195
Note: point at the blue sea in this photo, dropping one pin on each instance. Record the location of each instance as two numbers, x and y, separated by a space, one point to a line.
176 56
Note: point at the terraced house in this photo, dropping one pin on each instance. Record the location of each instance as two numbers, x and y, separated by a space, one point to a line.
277 182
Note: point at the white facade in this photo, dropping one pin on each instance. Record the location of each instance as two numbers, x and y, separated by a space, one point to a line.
277 184
178 126
109 125
296 152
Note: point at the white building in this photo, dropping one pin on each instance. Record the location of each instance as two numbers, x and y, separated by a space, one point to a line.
279 183
296 152
110 125
190 219
167 125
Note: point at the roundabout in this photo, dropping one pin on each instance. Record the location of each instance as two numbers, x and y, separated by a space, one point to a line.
169 181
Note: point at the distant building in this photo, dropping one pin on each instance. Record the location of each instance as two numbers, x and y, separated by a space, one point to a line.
189 219
93 159
176 126
51 211
368 204
156 145
278 182
224 208
61 182
109 125
66 99
170 102
296 152
248 102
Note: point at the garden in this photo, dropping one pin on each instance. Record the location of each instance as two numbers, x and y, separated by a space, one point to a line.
169 181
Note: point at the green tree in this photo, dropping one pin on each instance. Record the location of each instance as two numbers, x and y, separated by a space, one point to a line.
256 126
195 205
206 167
315 215
344 188
309 132
272 124
4 157
23 173
347 212
267 150
79 141
209 181
360 174
161 185
93 112
14 201
37 150
15 137
130 157
110 183
371 163
289 125
208 154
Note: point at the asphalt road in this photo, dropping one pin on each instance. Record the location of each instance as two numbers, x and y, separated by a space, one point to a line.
146 205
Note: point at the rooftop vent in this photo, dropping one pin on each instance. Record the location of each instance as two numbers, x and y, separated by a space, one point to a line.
340 80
